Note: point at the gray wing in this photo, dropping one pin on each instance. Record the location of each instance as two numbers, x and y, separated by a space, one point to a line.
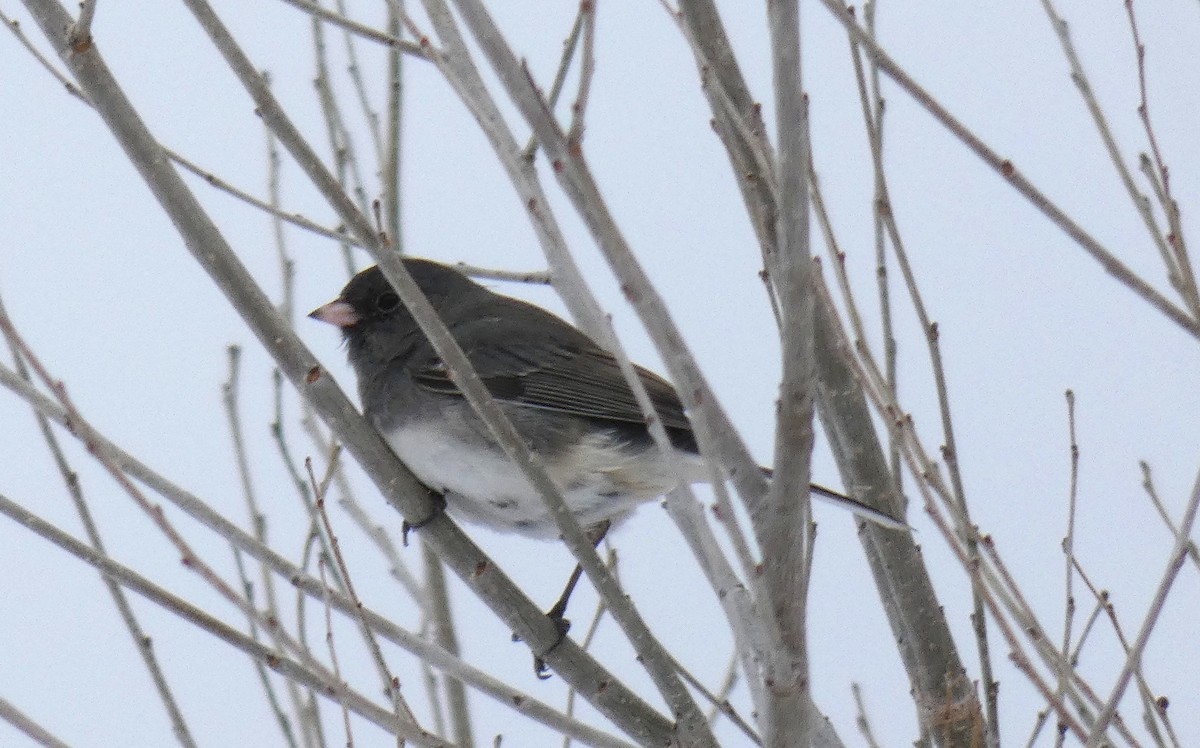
564 373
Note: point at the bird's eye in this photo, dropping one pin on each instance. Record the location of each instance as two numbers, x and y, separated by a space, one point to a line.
387 301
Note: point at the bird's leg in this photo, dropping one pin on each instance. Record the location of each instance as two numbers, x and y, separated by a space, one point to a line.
558 612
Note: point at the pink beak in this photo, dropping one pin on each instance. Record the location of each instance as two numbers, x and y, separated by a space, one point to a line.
336 313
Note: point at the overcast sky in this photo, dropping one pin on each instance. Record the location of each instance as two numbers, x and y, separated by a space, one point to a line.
99 283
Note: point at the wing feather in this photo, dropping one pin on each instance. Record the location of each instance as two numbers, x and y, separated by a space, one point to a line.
570 376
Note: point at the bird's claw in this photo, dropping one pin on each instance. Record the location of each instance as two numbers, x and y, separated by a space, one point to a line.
540 668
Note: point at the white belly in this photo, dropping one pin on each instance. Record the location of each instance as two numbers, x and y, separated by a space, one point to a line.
600 479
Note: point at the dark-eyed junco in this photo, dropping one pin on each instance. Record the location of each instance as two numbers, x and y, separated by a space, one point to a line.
564 394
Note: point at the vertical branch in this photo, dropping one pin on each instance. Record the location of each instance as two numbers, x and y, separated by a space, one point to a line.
904 585
905 588
391 158
781 522
354 70
873 111
331 645
1068 546
287 267
345 167
441 622
230 391
737 117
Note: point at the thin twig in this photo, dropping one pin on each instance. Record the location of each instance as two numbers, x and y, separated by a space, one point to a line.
1068 546
23 722
260 668
294 219
570 44
1007 587
341 139
333 659
589 635
1140 203
1148 486
283 447
860 719
728 683
1088 626
391 684
287 267
1133 660
334 135
229 395
14 26
587 70
372 529
1016 655
1106 606
360 29
721 705
354 71
376 533
537 277
1186 280
873 113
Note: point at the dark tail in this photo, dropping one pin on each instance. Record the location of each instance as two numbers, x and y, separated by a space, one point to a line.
869 513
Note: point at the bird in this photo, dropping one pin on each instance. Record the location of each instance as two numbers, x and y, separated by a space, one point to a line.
564 393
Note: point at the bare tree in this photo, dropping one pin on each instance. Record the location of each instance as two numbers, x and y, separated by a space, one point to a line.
341 663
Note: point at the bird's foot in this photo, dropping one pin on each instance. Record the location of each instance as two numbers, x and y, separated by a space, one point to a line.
555 614
438 508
